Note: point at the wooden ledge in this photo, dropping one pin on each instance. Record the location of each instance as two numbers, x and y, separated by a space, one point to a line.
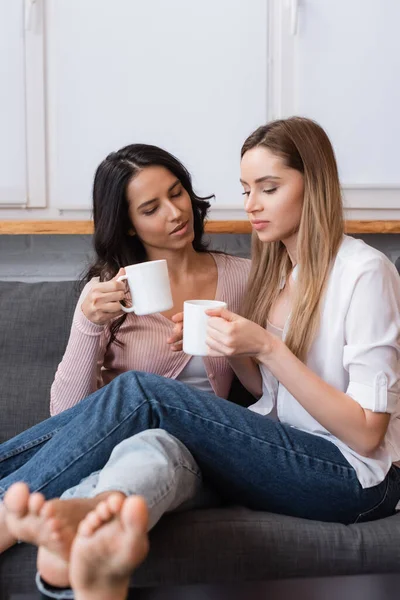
86 227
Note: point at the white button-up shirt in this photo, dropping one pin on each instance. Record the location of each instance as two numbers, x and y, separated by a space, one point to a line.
356 350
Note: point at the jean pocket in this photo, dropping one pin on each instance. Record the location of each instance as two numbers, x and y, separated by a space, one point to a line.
379 510
28 445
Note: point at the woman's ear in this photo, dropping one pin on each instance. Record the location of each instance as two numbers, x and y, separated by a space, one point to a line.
131 232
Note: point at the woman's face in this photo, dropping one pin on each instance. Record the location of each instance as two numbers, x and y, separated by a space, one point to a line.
160 209
273 195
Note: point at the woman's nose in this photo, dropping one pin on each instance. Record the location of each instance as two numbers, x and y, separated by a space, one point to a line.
174 210
251 204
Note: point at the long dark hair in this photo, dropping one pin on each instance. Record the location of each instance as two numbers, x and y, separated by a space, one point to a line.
114 247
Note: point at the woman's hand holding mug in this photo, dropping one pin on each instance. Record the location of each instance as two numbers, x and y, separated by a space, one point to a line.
176 338
102 303
229 334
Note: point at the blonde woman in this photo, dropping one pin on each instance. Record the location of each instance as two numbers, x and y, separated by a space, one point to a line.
322 322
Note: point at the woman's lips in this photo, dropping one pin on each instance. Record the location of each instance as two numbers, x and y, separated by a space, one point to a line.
258 225
182 229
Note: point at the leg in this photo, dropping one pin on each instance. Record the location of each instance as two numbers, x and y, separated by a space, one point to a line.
85 442
250 459
157 466
111 542
20 449
153 464
17 451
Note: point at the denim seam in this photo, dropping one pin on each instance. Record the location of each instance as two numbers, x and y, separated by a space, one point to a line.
348 469
29 445
94 446
376 506
160 498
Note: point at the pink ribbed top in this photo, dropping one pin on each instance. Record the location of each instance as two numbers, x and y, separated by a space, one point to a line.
87 366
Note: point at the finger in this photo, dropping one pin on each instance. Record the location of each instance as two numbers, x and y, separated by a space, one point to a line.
216 348
100 298
175 339
109 286
217 336
224 313
215 354
110 308
178 318
219 324
176 335
177 347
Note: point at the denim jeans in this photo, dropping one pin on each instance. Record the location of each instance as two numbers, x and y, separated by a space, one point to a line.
246 458
155 465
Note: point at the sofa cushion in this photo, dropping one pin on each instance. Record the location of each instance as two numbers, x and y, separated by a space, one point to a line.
35 320
236 544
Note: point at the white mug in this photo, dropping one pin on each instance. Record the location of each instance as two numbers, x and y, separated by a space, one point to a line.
149 287
195 325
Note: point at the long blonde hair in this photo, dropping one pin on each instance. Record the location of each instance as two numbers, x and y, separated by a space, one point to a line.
304 146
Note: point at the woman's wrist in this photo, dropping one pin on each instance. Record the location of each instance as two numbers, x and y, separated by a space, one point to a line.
269 350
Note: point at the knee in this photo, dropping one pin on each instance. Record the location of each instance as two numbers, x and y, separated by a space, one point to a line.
168 445
139 379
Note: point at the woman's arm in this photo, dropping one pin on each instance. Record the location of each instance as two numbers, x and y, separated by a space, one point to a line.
77 373
359 428
371 356
244 367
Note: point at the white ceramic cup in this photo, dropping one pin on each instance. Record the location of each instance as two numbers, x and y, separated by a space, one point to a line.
149 287
195 325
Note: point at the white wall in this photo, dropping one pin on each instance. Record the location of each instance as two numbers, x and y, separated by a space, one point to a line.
338 63
348 78
12 104
188 76
196 77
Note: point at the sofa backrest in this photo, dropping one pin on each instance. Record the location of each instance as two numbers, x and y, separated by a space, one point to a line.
35 320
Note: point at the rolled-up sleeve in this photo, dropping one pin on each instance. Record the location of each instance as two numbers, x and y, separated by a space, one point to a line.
372 338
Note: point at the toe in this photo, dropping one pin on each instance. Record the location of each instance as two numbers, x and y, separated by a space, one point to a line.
35 503
115 502
94 520
85 529
54 525
103 511
17 498
48 509
135 513
88 525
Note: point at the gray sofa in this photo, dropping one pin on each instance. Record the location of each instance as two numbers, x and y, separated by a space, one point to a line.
223 544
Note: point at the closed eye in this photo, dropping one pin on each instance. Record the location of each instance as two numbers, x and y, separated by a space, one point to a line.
270 191
150 212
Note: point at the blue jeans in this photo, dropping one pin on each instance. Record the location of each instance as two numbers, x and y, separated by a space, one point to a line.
246 458
158 467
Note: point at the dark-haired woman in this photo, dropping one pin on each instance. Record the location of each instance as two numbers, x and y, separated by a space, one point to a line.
144 208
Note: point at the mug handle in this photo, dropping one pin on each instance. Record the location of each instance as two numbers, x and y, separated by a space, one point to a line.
132 308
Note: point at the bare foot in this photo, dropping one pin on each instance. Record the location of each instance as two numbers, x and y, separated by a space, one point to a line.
111 542
62 518
6 538
22 514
